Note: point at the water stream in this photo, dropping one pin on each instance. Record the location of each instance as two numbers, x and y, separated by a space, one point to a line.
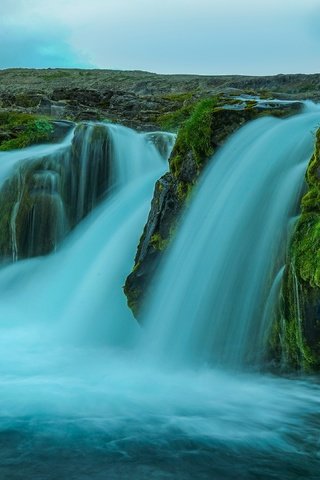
215 282
86 394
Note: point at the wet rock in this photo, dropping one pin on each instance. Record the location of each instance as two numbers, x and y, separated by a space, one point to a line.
295 342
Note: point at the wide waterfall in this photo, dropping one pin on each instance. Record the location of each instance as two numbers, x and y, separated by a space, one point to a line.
85 392
213 288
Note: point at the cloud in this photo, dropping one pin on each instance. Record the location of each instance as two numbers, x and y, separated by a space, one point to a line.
236 37
31 40
36 49
183 36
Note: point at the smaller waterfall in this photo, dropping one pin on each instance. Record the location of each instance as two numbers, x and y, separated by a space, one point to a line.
33 219
46 191
78 290
214 284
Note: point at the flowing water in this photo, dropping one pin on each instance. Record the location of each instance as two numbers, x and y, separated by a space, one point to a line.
216 280
86 394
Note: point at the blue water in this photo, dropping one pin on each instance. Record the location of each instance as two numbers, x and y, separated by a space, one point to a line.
81 399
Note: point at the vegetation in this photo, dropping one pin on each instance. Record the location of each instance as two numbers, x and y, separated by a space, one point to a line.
173 120
19 130
296 335
195 134
306 241
159 243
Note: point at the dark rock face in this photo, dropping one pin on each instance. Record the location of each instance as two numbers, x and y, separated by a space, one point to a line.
165 210
172 191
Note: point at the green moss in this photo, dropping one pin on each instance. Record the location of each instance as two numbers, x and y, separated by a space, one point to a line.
184 191
195 134
176 163
251 104
305 248
159 243
289 335
297 330
136 267
24 129
173 120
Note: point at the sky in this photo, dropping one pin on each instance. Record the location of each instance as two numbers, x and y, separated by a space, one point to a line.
253 37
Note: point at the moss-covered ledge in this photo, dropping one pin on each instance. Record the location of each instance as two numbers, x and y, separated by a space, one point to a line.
209 124
295 341
20 130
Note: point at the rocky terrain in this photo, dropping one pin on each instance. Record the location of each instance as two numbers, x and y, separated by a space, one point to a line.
137 99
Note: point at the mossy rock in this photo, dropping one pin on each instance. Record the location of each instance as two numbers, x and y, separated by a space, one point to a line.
296 343
23 130
31 208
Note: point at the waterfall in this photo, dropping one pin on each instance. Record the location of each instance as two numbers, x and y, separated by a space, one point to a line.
77 398
46 191
213 286
83 280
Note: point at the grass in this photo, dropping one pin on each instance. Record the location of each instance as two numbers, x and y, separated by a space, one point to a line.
24 129
195 133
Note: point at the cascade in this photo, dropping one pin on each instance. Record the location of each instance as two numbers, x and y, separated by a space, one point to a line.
46 191
213 287
78 400
94 260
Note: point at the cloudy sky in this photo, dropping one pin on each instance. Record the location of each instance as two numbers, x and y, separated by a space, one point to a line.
166 36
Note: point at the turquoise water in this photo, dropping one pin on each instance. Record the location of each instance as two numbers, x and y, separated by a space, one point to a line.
85 393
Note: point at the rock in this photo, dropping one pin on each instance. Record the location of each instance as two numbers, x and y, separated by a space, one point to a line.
295 341
163 142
